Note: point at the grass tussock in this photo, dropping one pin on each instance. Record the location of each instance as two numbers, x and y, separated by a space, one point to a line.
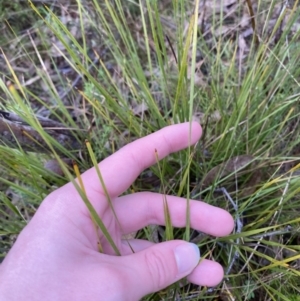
112 71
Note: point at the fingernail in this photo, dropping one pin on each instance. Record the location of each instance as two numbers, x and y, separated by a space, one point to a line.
187 257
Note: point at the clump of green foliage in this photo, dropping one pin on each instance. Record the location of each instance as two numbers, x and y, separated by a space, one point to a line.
123 69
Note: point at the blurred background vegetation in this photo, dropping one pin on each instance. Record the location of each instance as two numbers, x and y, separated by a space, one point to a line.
112 71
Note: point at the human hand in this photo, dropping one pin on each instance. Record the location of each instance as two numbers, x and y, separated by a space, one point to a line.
56 255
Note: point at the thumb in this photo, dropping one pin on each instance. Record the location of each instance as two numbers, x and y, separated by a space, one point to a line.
161 265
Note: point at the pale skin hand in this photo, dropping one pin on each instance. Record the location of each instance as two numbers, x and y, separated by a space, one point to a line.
56 256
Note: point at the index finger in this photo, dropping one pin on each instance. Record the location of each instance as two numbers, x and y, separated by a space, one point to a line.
123 167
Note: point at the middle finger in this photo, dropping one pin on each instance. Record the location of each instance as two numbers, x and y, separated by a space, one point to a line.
138 210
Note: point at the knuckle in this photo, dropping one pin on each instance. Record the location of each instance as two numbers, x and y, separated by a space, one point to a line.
158 270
